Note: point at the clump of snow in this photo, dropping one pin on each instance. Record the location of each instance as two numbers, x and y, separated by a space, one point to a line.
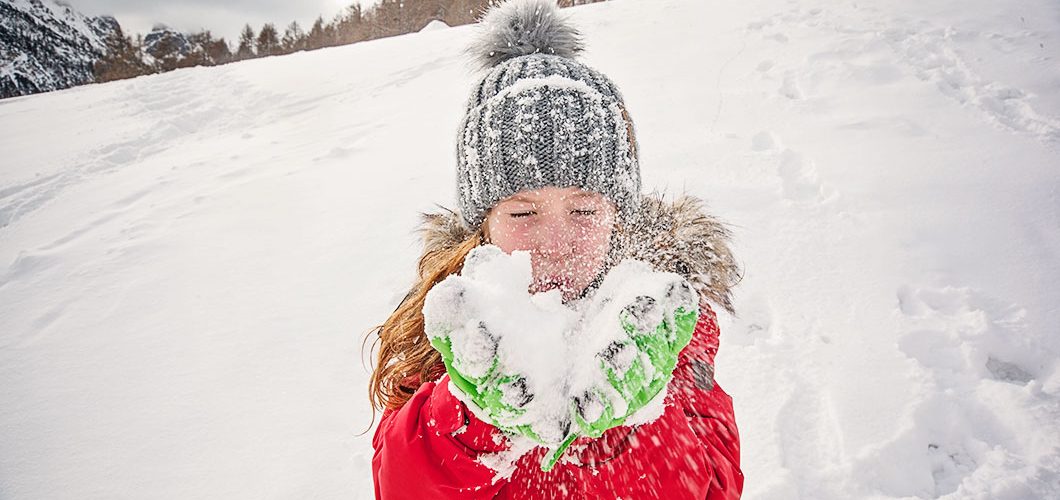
487 311
435 25
656 296
493 290
503 462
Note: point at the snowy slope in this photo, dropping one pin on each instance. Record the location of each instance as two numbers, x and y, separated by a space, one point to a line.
189 261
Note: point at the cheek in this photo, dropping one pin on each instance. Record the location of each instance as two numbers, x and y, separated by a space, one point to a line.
594 243
509 237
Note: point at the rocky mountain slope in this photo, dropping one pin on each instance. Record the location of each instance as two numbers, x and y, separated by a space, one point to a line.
45 45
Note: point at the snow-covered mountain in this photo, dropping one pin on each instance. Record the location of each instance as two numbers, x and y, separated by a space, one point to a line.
190 261
47 45
163 41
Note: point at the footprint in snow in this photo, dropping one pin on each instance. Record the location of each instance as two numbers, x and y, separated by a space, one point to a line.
963 334
933 55
754 322
967 342
808 432
764 141
800 181
790 87
798 175
778 37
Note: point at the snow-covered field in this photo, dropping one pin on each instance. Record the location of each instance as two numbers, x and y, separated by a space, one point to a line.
189 262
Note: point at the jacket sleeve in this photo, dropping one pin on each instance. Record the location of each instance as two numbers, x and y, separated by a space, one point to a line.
708 408
428 449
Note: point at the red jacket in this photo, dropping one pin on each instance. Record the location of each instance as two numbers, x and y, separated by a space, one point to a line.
691 452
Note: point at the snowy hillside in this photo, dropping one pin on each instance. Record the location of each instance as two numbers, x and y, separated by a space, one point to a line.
47 45
189 261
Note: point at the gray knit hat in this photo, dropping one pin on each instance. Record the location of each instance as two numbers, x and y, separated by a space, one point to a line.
540 118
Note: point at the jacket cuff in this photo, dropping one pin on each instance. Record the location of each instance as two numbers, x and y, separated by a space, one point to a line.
450 416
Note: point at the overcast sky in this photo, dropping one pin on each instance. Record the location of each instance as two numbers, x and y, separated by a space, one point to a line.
222 17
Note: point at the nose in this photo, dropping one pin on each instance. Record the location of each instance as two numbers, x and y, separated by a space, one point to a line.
554 237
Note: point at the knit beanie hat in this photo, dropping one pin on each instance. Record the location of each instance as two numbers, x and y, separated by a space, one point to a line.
541 118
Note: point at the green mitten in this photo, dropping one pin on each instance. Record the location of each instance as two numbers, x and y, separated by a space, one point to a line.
638 366
640 360
468 319
477 372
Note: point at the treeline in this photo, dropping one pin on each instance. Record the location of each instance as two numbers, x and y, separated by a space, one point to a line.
165 50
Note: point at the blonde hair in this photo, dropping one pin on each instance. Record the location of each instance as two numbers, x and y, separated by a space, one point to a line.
406 358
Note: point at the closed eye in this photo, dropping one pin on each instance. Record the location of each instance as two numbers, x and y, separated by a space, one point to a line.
583 212
517 215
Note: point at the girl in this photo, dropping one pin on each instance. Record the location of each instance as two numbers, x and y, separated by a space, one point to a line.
548 168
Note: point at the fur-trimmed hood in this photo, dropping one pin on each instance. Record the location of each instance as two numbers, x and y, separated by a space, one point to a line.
673 236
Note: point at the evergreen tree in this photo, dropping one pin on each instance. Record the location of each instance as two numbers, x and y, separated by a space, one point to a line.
218 51
207 51
460 12
268 41
349 25
317 37
197 55
387 18
122 60
246 43
294 39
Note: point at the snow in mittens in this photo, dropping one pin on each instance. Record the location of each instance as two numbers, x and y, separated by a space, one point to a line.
190 262
600 328
488 312
496 326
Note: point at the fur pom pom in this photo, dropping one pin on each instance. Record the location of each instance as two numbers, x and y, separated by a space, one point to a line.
520 27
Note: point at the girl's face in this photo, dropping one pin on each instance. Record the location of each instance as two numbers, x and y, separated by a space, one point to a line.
566 230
